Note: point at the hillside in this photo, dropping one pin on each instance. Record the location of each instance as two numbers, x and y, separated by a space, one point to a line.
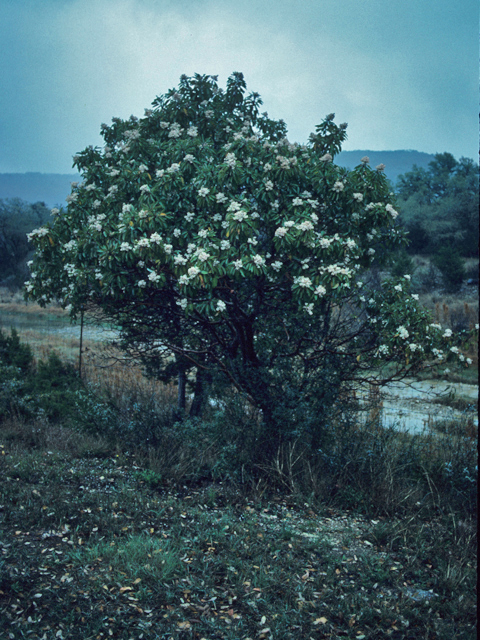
396 162
52 188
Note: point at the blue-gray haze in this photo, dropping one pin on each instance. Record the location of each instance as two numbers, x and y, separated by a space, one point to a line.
403 74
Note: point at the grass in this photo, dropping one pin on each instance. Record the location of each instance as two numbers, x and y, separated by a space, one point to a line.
95 544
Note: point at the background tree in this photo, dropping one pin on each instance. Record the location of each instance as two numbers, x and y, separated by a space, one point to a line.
204 235
17 218
439 206
450 264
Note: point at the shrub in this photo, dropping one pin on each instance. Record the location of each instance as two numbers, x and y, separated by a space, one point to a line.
15 353
451 265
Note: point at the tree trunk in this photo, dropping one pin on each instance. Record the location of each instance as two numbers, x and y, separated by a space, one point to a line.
200 393
181 397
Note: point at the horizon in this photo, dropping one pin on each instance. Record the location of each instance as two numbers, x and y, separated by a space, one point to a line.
349 151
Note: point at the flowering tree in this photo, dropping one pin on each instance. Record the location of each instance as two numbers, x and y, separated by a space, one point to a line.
202 232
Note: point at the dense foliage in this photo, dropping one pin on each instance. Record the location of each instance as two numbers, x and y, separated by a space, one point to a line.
439 206
31 389
17 218
201 232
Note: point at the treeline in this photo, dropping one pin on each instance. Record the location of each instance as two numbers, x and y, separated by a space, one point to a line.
439 206
17 218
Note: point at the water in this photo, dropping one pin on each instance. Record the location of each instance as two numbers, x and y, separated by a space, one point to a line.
410 405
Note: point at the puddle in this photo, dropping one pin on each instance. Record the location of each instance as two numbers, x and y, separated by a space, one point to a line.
410 405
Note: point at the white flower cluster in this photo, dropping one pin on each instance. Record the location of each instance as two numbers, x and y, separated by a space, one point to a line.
42 231
70 269
325 242
336 270
286 163
305 226
175 130
71 245
402 332
142 243
302 281
389 209
240 215
230 160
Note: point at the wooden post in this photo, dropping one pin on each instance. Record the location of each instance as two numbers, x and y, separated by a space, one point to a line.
81 343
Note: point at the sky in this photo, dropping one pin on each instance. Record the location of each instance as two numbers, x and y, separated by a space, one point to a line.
402 73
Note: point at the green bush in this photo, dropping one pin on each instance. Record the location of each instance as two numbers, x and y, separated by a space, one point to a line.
401 264
43 389
15 353
51 388
451 265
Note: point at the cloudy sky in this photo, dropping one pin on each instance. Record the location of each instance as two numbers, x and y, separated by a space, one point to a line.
402 73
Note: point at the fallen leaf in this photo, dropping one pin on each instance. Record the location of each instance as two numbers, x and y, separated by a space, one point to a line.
321 620
183 625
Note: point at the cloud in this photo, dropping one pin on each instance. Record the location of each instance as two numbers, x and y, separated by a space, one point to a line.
73 64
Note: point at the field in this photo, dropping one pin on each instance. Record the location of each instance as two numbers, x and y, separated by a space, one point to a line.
104 537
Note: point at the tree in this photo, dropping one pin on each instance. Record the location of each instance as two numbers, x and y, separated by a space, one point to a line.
17 218
450 264
202 233
439 206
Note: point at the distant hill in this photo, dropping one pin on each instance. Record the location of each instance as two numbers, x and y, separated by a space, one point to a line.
50 188
396 162
53 188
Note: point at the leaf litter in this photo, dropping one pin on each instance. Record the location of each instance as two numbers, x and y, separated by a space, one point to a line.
99 554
